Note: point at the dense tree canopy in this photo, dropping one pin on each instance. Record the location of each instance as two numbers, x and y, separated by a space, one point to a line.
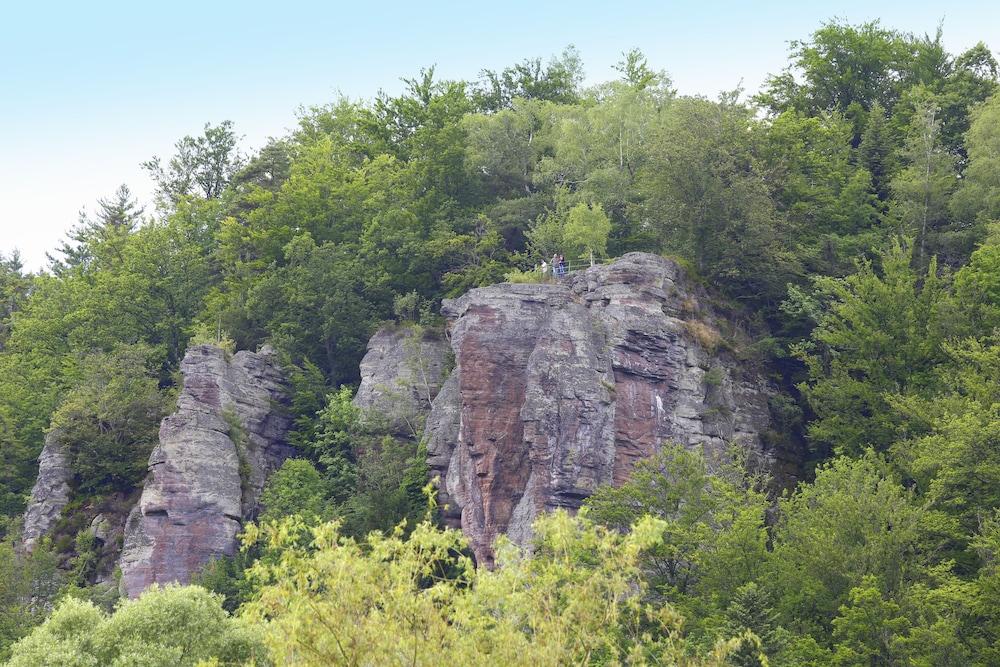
846 216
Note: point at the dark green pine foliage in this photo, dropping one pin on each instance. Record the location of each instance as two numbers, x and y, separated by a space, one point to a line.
750 610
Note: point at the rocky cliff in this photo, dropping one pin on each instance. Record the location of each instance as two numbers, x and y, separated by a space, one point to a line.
401 373
561 387
209 468
51 491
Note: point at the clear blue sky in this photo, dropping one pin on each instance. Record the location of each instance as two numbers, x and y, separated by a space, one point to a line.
91 89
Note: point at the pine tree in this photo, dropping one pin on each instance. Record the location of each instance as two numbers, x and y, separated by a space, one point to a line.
876 153
97 240
750 610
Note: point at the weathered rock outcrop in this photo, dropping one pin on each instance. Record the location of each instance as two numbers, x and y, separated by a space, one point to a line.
209 468
401 373
51 491
561 387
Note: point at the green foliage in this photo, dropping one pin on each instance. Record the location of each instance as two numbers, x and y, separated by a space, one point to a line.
818 184
855 516
845 68
517 276
957 462
14 286
85 561
109 420
750 610
529 80
586 230
977 286
881 333
319 308
308 391
923 188
710 202
714 538
369 480
202 165
979 196
878 151
334 446
225 576
327 600
29 583
238 435
203 334
296 488
377 209
866 626
168 626
407 307
389 475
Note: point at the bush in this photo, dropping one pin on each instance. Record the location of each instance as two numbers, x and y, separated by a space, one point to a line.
519 276
328 600
176 625
297 487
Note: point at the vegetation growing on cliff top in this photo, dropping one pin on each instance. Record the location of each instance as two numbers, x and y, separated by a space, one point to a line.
851 220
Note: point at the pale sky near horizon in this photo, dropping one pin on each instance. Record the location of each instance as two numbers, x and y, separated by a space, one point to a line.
90 90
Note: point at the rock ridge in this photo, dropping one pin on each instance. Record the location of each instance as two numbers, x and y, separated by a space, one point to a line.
208 470
51 491
561 387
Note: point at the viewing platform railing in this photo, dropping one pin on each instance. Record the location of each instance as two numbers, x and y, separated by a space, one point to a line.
572 266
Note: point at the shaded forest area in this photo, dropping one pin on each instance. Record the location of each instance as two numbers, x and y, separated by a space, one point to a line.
847 216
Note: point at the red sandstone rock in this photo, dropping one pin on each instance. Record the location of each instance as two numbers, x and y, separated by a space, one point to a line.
561 387
209 468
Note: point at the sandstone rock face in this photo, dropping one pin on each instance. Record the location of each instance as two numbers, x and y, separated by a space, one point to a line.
51 491
561 387
401 373
209 468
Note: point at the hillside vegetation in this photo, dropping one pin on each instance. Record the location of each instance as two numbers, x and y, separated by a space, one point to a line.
847 217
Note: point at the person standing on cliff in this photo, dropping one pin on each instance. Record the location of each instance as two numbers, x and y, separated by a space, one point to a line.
545 270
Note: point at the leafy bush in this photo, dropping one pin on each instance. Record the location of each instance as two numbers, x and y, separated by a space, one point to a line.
176 625
328 600
519 276
296 488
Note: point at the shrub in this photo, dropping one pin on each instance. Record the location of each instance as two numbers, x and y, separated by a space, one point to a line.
706 335
176 625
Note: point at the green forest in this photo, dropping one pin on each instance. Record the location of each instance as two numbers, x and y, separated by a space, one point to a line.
847 215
